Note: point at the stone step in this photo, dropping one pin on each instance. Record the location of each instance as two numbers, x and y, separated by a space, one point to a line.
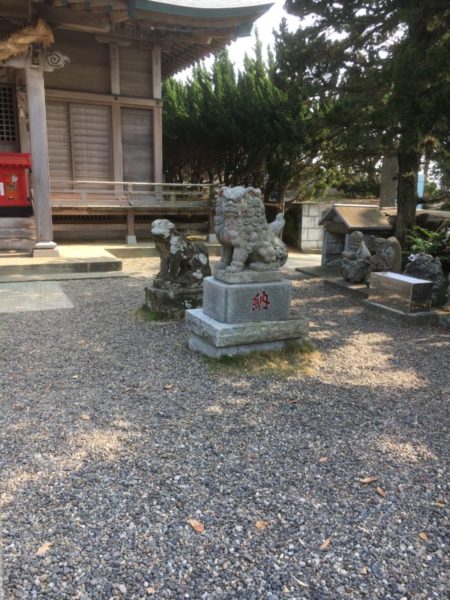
61 276
26 267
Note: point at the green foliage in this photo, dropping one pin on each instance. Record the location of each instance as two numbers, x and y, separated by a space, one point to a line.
380 72
435 243
243 128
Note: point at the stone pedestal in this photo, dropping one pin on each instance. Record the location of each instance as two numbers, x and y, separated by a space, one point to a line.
172 303
245 302
244 316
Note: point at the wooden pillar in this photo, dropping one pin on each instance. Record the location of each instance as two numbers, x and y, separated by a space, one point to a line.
34 77
157 117
116 117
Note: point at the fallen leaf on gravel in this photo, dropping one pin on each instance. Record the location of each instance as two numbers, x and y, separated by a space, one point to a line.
168 386
85 417
368 479
423 536
261 524
379 490
196 525
325 544
323 459
44 548
440 503
301 583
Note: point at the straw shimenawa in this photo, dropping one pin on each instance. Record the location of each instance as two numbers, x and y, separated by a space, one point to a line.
18 43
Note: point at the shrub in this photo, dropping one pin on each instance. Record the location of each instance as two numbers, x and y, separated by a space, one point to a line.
435 243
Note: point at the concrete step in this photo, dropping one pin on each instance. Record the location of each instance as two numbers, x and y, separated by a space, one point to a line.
61 276
37 267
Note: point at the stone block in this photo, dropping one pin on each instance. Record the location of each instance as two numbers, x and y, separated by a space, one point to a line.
394 315
308 222
247 276
199 345
401 292
172 303
314 235
245 302
236 334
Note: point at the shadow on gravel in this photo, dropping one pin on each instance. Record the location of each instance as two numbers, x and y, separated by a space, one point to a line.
114 435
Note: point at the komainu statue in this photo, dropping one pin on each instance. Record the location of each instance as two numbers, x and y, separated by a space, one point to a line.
355 262
247 240
184 263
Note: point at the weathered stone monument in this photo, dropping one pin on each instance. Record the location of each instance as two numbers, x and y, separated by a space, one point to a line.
387 254
246 303
183 266
424 266
355 262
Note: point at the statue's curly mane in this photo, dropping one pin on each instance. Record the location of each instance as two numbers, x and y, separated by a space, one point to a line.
240 223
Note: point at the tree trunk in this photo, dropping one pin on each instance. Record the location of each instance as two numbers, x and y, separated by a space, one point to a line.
408 167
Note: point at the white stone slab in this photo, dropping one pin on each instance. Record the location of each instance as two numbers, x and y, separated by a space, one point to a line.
32 296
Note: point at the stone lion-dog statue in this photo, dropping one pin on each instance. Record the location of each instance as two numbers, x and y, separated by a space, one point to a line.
183 263
247 240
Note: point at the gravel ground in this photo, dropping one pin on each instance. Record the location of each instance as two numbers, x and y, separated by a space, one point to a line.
114 435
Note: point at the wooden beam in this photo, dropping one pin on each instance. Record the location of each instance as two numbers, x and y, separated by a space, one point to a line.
156 73
114 69
69 95
66 16
157 145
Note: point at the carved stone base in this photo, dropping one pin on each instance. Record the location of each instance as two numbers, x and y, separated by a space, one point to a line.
172 303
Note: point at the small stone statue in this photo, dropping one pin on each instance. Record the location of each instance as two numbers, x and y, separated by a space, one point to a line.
183 263
355 262
247 240
424 266
387 254
179 283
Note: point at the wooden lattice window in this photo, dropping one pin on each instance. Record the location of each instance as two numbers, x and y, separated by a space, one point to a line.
8 124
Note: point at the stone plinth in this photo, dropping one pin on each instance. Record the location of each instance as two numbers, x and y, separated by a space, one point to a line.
228 334
400 292
247 276
216 339
246 302
172 303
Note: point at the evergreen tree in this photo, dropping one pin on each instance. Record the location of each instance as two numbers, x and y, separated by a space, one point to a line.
384 65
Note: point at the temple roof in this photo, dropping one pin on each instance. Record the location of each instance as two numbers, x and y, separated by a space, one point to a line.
186 31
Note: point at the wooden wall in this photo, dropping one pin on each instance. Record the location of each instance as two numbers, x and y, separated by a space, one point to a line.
103 122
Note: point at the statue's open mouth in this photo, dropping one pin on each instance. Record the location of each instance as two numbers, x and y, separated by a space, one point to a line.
231 209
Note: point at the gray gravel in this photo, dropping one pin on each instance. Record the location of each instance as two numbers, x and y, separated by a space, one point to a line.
114 435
